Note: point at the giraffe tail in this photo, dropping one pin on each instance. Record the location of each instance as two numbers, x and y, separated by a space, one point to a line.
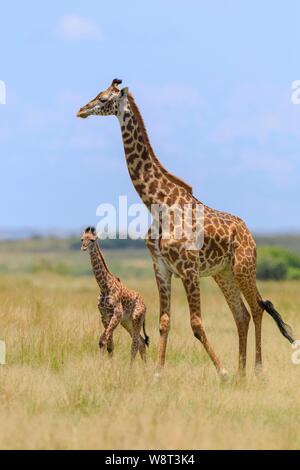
146 337
285 329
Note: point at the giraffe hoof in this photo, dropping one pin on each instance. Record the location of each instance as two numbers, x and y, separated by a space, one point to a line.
157 375
258 370
259 374
224 376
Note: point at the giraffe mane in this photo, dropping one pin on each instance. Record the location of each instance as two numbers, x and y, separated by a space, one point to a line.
102 257
143 129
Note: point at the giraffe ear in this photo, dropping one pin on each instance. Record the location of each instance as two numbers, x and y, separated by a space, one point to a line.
124 91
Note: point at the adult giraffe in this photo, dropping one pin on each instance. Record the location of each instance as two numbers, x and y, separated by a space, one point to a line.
228 253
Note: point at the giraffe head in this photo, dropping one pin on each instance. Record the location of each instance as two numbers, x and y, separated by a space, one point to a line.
107 103
89 236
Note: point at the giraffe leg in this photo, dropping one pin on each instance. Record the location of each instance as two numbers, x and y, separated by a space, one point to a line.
244 270
110 346
142 347
110 341
249 290
106 339
231 291
137 321
102 343
163 280
191 285
136 327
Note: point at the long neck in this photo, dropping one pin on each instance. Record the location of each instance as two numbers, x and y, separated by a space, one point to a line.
152 181
100 269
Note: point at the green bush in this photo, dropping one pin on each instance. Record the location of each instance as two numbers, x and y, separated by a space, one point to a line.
269 268
277 264
294 273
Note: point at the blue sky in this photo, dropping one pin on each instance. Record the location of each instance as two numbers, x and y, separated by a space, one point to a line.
212 79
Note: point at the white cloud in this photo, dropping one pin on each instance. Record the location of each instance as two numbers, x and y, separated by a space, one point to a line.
77 28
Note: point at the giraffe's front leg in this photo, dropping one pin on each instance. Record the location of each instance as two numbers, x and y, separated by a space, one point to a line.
163 279
102 341
191 285
110 346
108 342
229 286
114 321
106 339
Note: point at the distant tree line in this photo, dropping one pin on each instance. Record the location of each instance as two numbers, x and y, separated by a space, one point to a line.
109 244
274 262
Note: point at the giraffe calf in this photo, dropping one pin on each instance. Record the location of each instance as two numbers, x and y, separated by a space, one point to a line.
117 304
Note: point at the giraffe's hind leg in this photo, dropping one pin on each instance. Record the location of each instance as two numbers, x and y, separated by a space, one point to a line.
244 269
142 346
249 290
137 322
232 294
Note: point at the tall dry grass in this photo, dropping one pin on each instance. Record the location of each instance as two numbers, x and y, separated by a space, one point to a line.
54 394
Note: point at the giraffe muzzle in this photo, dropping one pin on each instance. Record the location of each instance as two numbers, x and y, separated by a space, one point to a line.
83 113
86 110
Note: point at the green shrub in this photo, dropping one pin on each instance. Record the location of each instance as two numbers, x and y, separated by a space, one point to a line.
277 264
269 268
293 273
288 257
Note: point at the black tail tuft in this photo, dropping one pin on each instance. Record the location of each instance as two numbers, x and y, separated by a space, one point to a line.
146 337
285 329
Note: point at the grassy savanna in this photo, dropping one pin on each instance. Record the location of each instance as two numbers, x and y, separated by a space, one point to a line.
55 395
